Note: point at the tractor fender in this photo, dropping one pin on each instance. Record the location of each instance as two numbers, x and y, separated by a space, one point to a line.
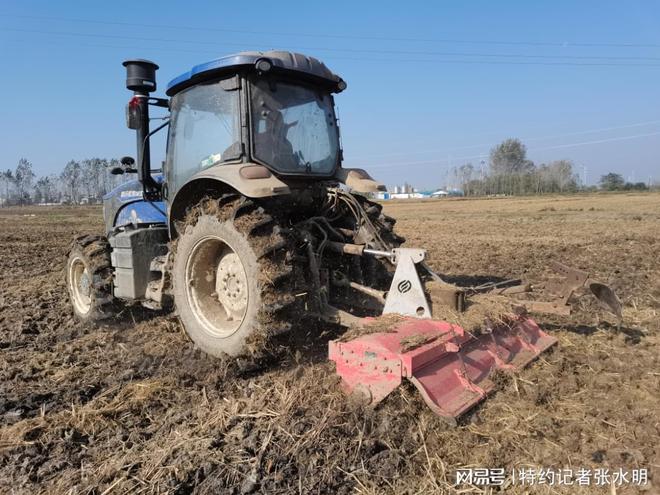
359 180
248 179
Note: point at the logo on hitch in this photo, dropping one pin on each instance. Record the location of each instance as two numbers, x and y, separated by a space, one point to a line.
404 286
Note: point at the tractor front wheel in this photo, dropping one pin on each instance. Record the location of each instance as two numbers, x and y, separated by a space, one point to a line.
89 278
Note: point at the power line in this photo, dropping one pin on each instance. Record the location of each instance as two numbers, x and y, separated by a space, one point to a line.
337 49
493 62
349 50
561 44
122 37
494 55
472 54
362 59
107 45
567 145
599 141
526 139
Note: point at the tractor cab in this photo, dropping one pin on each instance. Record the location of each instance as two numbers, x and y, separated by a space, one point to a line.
274 109
254 122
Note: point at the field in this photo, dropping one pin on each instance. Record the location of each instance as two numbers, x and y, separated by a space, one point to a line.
132 407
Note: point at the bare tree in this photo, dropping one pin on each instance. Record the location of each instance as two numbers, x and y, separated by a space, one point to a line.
563 176
112 180
88 177
44 190
102 177
8 178
463 175
23 178
71 178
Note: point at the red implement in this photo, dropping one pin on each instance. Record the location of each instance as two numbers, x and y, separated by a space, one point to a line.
449 367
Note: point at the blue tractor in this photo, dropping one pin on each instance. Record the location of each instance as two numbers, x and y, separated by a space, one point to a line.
253 225
253 222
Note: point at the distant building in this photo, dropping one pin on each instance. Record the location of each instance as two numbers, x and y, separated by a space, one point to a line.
410 195
439 194
406 191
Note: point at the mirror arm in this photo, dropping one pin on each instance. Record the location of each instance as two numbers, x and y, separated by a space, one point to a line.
159 102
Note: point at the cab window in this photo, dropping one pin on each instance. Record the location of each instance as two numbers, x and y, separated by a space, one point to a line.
205 130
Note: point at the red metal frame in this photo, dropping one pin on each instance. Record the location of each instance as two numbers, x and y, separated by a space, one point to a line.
449 367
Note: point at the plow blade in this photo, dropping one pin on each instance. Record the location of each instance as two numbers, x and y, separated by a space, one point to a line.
451 369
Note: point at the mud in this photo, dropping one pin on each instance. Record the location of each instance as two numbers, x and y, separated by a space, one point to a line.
131 406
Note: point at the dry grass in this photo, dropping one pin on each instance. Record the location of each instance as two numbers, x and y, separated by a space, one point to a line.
132 408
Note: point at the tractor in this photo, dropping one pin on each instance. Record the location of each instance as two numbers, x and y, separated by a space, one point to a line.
252 224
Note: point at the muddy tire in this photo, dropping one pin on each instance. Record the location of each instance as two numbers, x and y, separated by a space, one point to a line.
232 277
89 278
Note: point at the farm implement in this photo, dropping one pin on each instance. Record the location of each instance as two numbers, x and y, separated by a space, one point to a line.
253 223
450 366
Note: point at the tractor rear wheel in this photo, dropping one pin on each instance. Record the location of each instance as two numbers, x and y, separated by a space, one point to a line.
89 278
232 277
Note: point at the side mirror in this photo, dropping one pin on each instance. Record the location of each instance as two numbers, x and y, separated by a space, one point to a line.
133 112
127 161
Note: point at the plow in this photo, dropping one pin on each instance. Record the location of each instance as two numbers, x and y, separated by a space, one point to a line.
451 367
253 226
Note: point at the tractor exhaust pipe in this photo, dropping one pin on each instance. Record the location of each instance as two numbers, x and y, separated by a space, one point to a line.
141 79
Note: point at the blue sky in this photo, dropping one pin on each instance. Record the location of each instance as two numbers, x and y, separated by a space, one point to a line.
431 85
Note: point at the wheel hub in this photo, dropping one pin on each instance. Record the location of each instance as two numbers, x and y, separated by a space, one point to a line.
231 284
217 287
84 284
80 285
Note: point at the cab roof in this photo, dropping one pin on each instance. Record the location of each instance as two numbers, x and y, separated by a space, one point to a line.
299 65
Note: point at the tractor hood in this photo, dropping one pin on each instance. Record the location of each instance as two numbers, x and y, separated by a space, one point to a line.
298 65
125 205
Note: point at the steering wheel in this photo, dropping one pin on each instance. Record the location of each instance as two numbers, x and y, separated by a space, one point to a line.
302 163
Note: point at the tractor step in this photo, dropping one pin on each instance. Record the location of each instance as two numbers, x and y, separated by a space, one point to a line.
451 368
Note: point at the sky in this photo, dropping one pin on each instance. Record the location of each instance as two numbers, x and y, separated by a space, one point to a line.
431 85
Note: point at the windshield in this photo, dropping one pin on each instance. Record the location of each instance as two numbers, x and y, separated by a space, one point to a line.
293 128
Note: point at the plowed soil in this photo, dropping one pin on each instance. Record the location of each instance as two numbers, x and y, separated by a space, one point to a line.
132 407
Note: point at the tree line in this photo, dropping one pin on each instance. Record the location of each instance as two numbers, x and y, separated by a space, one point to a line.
84 181
510 172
